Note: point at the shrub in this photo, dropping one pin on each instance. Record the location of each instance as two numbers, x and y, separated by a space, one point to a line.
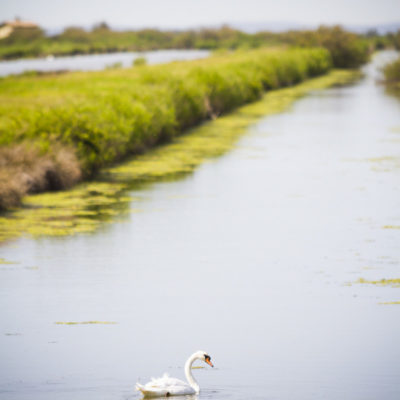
139 61
392 72
25 169
347 49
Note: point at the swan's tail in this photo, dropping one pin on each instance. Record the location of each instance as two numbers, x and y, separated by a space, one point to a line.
149 392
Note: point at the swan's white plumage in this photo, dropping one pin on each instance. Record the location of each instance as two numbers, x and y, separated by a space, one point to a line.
167 386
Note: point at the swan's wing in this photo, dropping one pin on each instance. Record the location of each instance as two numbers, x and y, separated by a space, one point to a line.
166 381
181 390
165 386
165 391
151 392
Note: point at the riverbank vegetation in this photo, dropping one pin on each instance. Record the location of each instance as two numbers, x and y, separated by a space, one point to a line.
88 206
80 122
348 50
391 74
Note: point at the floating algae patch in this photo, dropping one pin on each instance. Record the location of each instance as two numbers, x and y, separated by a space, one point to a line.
3 261
86 323
383 282
80 210
391 227
384 164
89 206
390 302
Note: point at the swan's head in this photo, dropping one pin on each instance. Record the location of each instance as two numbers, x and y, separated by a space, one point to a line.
202 355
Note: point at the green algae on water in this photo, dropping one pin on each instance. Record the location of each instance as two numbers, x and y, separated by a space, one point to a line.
89 206
3 261
395 282
390 302
80 210
385 163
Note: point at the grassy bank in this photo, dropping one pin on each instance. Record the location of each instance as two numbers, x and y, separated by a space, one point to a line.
392 75
88 206
81 122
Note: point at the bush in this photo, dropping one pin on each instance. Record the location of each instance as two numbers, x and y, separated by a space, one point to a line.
139 61
347 49
115 65
392 72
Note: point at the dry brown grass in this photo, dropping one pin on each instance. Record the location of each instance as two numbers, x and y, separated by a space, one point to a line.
24 169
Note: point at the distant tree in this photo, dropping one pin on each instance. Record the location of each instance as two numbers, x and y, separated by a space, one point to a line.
371 33
394 39
75 34
101 26
186 40
392 72
21 35
347 49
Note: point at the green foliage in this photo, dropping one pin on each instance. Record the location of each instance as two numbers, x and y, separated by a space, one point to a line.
23 35
139 61
115 65
108 114
348 50
394 39
392 72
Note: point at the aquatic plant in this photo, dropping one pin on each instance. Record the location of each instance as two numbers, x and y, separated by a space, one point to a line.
390 302
4 261
395 282
139 61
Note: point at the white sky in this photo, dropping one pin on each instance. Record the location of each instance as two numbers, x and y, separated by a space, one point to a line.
194 13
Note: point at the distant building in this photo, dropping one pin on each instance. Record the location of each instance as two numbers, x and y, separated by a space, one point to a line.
8 27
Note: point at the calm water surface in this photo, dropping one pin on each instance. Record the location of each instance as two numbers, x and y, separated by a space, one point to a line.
254 258
92 62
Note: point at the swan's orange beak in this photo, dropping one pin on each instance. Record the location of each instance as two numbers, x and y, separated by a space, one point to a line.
208 361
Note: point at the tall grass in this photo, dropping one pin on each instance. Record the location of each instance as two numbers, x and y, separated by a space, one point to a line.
105 116
392 72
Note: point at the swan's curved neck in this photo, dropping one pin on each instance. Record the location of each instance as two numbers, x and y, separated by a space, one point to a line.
188 373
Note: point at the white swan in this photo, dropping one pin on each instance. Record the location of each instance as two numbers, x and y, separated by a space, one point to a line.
167 386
